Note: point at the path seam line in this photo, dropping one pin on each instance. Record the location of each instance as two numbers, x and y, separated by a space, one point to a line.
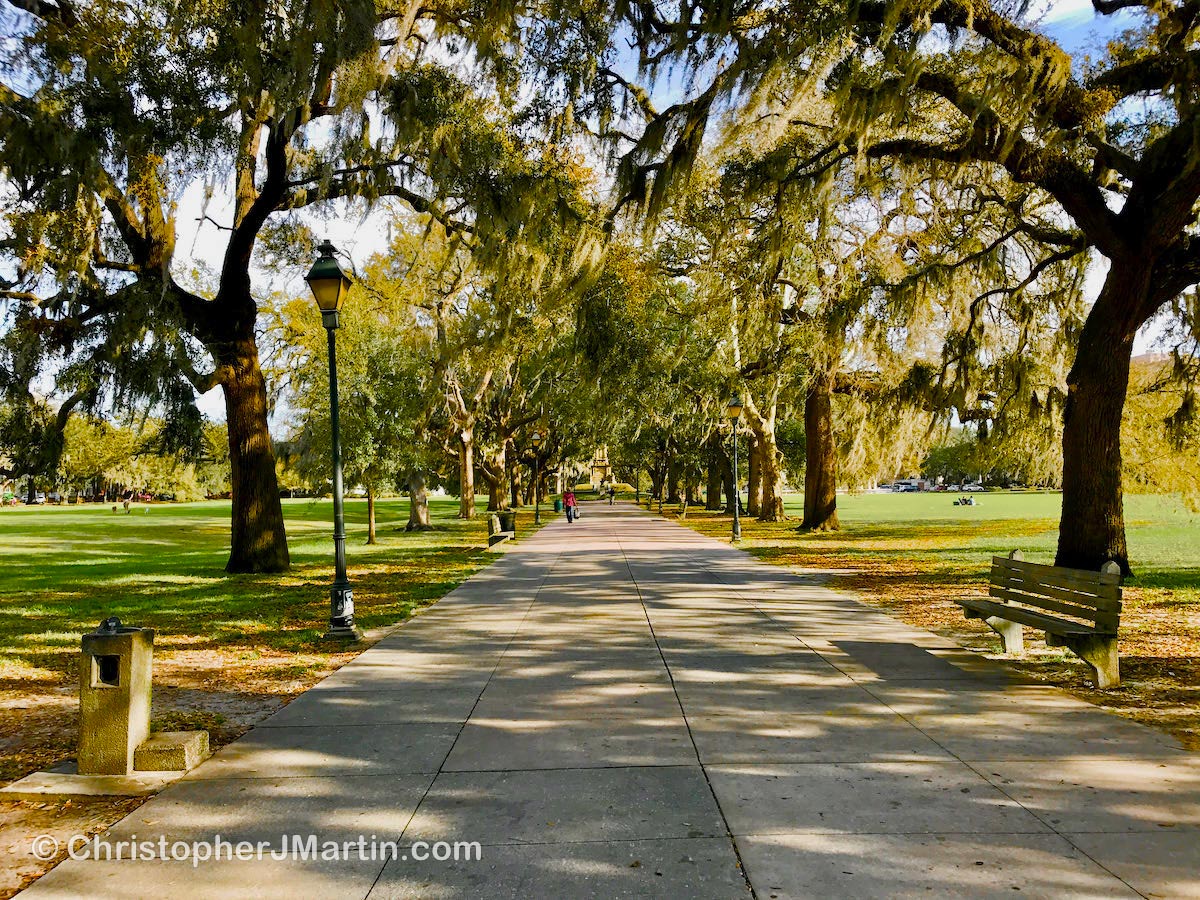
686 724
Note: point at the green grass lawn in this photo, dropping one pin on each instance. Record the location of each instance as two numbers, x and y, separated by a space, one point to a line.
162 566
1163 534
236 637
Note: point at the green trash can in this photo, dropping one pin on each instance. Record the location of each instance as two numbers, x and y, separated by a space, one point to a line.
508 520
558 507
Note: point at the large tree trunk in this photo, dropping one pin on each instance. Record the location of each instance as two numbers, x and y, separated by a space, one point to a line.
1092 527
258 541
820 458
673 480
496 495
370 513
657 480
770 476
516 494
732 494
753 476
418 503
466 473
493 473
712 499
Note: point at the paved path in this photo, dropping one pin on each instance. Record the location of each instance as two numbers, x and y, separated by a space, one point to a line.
623 708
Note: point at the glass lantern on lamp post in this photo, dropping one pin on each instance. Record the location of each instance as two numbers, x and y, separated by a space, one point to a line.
733 409
330 285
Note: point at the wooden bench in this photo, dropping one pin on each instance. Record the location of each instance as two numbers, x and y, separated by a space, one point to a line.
496 532
1087 604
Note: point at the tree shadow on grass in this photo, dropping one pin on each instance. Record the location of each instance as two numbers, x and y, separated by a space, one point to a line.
1187 579
283 613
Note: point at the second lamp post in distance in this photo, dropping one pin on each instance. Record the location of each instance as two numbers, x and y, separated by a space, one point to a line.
536 439
734 410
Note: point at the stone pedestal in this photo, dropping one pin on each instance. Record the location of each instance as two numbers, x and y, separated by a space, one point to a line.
114 697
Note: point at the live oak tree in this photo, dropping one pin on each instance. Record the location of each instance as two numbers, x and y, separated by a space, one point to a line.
907 300
426 284
496 352
125 107
810 311
274 108
650 346
944 83
1126 175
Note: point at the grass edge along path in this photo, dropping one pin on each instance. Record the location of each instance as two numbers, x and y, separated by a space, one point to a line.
908 556
234 637
229 650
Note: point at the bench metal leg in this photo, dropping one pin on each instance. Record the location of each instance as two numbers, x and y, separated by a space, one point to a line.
1097 651
1011 633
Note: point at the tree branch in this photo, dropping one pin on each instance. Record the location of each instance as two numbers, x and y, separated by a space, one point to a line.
1108 7
26 296
1167 193
990 140
68 406
1149 73
61 11
636 91
1176 271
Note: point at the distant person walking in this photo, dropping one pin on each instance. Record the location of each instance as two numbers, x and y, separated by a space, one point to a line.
571 505
612 493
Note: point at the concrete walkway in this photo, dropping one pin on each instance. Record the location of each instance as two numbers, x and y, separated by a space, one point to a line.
623 708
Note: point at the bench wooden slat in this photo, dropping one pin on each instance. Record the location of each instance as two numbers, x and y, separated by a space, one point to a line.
1085 575
1077 597
1037 601
1103 618
1070 595
1109 587
1028 617
1082 577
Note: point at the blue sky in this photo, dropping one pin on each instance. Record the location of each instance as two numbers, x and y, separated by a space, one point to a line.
1077 28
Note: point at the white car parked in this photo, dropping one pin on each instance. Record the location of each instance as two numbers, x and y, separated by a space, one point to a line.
972 488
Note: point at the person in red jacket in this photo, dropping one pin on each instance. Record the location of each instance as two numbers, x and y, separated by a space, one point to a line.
570 504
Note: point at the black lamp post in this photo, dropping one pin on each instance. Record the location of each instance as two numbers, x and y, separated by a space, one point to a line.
537 496
734 410
329 286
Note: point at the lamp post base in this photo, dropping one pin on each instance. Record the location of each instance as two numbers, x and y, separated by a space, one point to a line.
341 619
343 633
